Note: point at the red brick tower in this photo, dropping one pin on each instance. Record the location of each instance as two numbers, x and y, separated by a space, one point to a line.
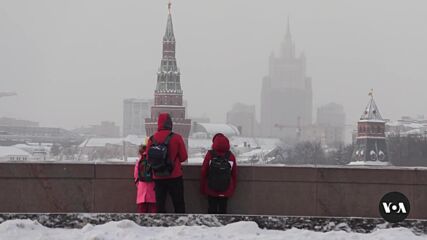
168 94
370 143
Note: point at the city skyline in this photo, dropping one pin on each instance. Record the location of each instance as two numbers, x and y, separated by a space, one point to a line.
71 71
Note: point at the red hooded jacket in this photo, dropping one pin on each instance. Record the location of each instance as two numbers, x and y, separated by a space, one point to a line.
176 148
221 146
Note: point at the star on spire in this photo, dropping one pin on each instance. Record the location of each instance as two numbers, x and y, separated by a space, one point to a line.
169 36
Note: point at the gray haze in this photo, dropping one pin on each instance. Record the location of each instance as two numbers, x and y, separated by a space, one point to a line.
73 62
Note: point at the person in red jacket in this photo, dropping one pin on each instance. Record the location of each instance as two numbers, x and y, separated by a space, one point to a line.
218 195
172 183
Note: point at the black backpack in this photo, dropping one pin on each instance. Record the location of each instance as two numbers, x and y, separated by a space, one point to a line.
219 174
157 156
144 171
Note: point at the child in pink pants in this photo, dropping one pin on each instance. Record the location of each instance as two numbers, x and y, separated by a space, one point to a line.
145 195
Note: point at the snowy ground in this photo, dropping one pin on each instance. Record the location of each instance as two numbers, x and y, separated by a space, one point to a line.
128 230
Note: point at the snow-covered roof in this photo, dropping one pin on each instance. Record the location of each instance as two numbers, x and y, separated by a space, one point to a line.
371 112
414 125
12 151
102 142
214 128
32 147
134 139
199 143
416 131
393 124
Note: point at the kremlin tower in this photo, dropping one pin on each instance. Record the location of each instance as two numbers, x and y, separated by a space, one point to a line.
370 142
168 95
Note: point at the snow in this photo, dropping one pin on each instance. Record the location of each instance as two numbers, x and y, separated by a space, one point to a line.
128 230
372 120
369 163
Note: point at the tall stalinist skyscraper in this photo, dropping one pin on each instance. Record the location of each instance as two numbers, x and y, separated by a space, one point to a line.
168 96
286 95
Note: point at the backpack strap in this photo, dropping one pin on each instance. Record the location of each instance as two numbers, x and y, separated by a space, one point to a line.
139 171
227 155
153 140
213 153
168 138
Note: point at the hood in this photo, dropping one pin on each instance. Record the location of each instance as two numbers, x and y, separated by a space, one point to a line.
220 143
164 122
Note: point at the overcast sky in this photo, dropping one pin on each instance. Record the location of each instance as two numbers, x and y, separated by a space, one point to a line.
72 62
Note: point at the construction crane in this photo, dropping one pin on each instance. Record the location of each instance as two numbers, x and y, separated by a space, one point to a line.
7 94
298 127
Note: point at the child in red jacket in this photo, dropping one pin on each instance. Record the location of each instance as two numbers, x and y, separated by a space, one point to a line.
219 175
145 195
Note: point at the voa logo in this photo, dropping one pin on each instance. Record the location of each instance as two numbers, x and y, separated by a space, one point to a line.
394 207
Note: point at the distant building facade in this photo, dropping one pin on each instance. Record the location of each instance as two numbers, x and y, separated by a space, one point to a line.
286 95
331 119
370 141
168 95
13 154
407 126
10 135
135 111
243 116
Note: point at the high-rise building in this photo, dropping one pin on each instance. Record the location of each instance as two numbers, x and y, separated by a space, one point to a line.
243 116
135 111
286 95
331 119
168 95
370 141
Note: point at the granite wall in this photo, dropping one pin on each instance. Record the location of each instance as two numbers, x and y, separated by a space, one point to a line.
263 190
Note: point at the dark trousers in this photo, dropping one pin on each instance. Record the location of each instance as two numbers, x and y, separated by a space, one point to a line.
175 188
217 205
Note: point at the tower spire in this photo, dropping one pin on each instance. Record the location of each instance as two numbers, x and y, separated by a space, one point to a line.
168 76
288 31
169 36
371 111
288 48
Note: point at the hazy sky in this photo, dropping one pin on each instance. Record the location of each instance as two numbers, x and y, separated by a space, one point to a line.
72 62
